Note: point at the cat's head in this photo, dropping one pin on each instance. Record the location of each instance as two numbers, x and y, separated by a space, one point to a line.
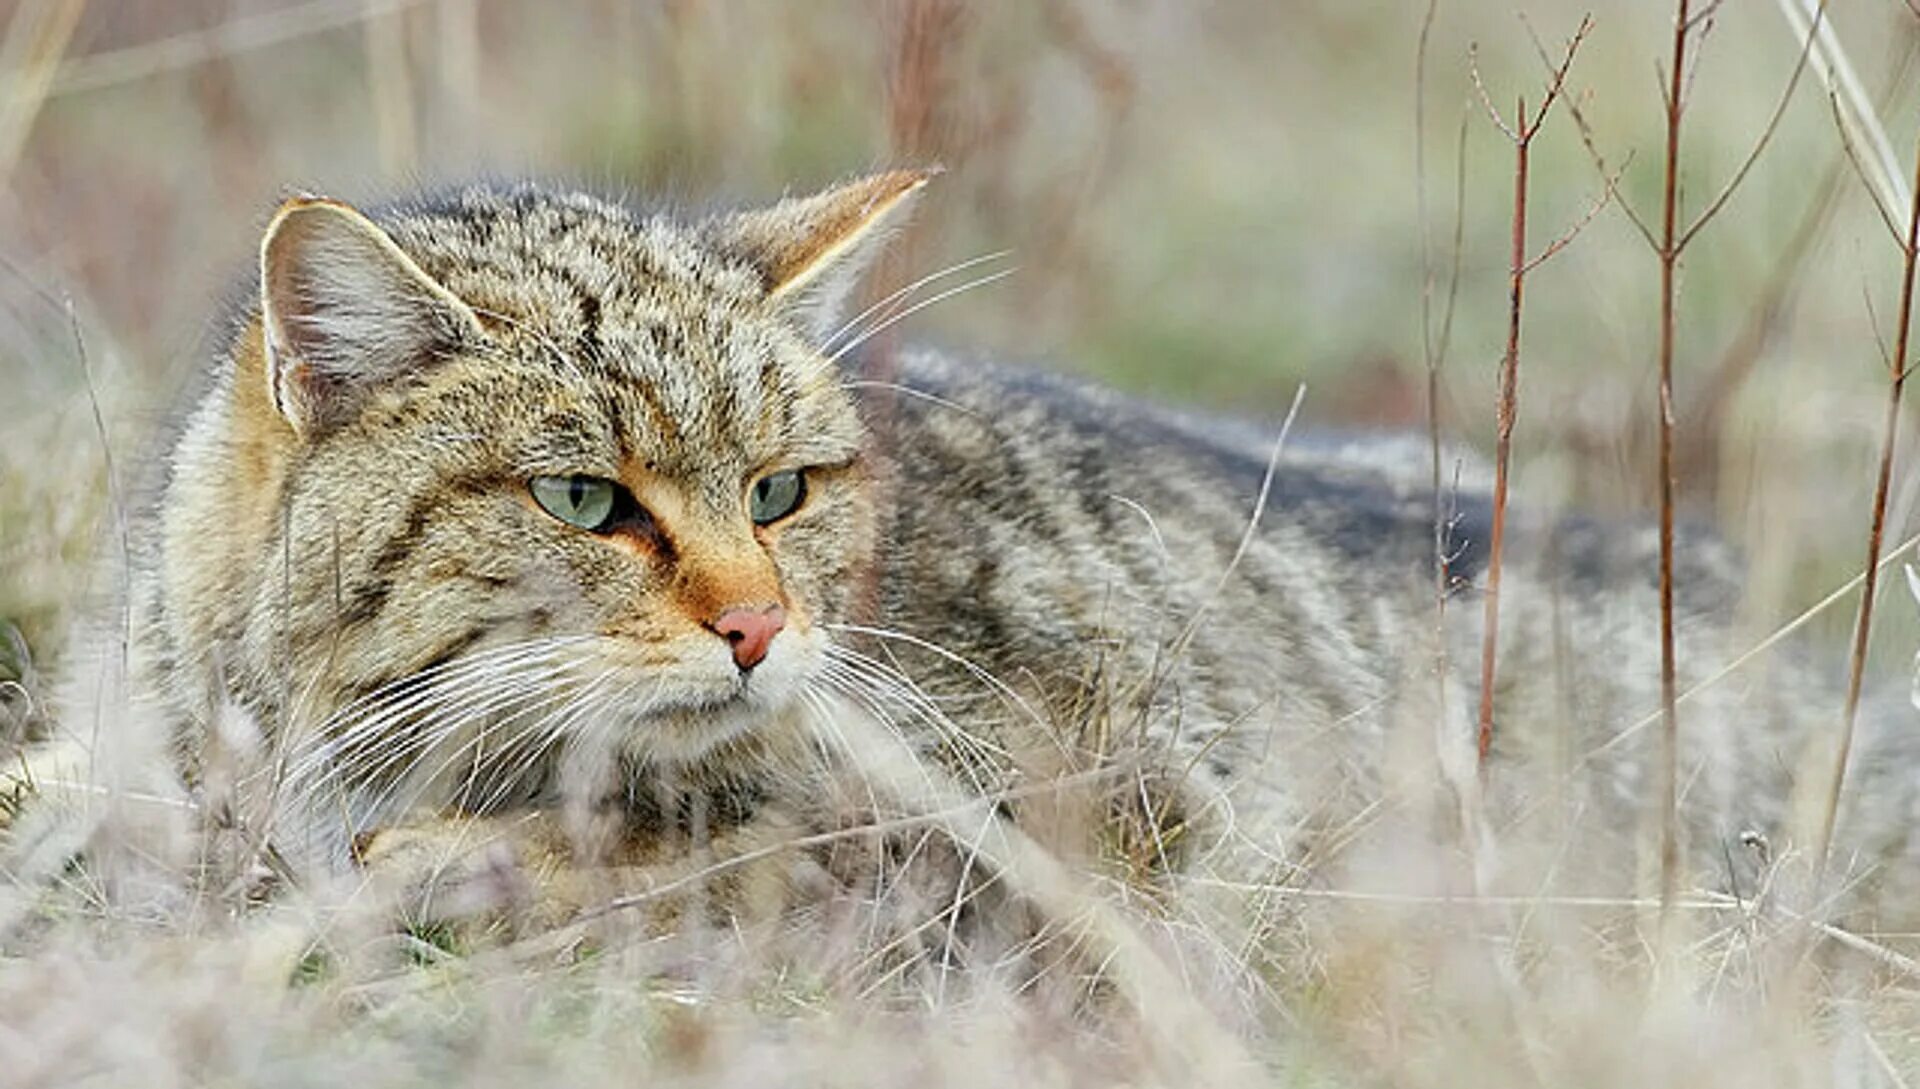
523 418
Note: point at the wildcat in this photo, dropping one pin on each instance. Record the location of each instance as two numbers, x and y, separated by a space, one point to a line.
511 499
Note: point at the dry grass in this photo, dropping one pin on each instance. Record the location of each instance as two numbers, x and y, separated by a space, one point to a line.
1207 202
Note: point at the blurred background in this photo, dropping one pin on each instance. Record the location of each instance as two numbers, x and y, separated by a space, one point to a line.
1208 203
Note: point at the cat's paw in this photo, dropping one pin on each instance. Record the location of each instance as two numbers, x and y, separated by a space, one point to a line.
464 880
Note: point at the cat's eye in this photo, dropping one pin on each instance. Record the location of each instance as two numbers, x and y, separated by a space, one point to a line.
588 502
775 496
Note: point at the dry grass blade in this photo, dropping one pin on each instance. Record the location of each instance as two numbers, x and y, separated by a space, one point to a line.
171 54
36 39
1752 654
1859 122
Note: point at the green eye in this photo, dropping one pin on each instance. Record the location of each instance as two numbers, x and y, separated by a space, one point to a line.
775 496
584 501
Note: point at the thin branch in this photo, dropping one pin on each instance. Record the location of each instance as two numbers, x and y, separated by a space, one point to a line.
1566 239
1486 100
114 496
1593 149
1860 168
1766 135
1704 25
1557 79
1704 14
1873 325
1830 62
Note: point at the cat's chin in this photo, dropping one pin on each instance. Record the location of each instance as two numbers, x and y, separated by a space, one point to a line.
697 730
705 707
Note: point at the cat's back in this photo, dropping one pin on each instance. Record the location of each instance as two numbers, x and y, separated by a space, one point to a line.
1047 532
978 435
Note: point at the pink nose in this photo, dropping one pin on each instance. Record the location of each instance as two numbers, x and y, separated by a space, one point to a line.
749 631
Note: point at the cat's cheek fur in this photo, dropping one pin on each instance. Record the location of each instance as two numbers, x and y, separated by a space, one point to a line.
822 556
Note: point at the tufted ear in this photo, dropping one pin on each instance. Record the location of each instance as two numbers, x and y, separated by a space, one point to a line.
811 250
342 309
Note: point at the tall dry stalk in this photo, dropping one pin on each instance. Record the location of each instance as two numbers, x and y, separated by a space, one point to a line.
1897 370
1520 134
1668 246
1434 342
1669 256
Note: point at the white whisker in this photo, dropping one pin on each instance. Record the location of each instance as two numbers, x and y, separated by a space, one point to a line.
895 319
826 346
491 718
419 693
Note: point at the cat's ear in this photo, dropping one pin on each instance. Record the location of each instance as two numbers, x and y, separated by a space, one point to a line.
810 251
343 308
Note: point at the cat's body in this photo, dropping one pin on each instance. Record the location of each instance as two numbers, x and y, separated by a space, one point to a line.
355 551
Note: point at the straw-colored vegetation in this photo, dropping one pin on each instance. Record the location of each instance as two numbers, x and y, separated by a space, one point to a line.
1208 203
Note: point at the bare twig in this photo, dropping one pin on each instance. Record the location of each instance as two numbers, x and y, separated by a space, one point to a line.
1521 133
1739 175
1486 100
1860 169
1873 324
1566 237
1704 14
1673 98
1600 166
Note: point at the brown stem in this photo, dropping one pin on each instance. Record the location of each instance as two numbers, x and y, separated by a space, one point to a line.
1521 132
1863 623
1669 688
1503 450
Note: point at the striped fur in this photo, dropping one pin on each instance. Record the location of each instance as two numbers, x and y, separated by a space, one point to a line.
1025 576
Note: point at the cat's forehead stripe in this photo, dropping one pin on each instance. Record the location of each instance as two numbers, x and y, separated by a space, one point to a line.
653 323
